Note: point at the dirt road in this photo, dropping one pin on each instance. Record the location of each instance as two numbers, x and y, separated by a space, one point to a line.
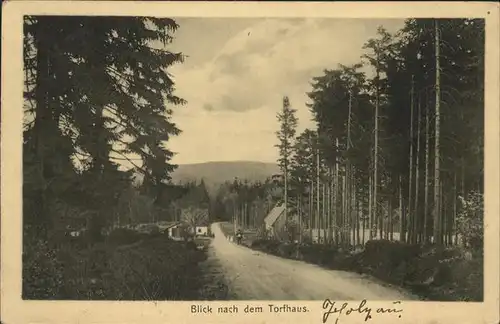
253 275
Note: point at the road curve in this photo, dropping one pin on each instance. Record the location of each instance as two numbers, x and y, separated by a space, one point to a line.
254 275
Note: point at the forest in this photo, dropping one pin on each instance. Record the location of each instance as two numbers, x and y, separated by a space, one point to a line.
398 151
89 106
98 105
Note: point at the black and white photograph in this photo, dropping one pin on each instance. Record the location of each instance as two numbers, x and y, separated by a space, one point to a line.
173 158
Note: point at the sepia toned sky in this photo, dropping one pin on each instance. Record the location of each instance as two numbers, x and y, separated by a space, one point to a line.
237 72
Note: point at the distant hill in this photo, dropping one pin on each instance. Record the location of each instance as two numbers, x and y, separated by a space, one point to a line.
215 173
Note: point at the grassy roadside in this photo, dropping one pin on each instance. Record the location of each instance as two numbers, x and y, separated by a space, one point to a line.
128 266
214 284
437 274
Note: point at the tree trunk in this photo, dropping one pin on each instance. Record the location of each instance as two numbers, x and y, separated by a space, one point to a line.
426 180
343 223
286 191
401 213
348 167
336 195
330 205
43 124
317 194
387 225
324 213
246 216
453 228
416 227
442 211
455 223
356 199
370 202
391 224
375 154
437 156
355 232
311 209
364 229
380 224
299 216
410 173
235 213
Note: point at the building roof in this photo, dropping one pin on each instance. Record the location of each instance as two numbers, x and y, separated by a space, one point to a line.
274 214
166 225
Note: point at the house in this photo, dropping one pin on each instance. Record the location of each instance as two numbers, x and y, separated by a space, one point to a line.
277 224
166 226
201 230
202 226
274 218
172 229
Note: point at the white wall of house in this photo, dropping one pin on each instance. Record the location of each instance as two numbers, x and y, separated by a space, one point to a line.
201 230
174 231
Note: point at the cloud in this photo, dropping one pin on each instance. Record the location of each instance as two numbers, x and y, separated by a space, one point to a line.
271 57
233 95
226 136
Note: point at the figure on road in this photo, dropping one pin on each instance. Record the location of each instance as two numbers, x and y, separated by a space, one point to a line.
239 236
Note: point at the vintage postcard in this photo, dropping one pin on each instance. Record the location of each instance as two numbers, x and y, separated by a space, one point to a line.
178 162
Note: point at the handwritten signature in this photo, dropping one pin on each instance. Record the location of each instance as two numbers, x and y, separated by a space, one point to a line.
331 307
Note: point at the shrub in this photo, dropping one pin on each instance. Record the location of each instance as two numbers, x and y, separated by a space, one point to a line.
391 261
43 273
123 236
470 221
318 254
258 244
455 276
286 250
156 268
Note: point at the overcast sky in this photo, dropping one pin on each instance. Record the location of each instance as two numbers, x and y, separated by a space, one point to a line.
237 72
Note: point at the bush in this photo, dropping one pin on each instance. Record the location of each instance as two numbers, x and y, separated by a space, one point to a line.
467 279
317 254
470 221
269 246
257 244
156 268
122 236
287 250
451 274
431 272
43 273
388 260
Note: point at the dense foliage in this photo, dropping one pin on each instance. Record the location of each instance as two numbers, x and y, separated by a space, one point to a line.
99 100
97 92
146 267
244 203
399 139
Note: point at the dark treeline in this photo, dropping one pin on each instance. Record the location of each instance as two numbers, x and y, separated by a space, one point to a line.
245 203
398 149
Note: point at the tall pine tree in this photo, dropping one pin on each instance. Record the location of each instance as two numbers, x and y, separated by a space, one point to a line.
286 135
